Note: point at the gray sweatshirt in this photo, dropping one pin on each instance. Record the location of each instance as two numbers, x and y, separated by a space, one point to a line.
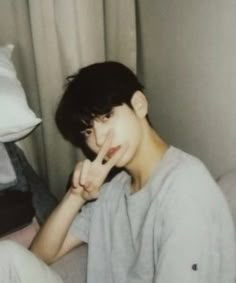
176 229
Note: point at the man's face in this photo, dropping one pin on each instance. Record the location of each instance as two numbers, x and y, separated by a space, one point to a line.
125 127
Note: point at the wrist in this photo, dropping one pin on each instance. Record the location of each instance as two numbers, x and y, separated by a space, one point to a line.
75 199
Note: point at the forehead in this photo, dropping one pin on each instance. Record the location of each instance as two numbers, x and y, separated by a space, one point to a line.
89 117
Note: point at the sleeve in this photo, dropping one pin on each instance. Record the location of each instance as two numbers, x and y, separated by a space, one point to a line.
81 223
186 247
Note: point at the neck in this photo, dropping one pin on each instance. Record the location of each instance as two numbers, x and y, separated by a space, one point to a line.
149 154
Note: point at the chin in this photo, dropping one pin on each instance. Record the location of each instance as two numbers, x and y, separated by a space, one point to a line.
123 162
119 165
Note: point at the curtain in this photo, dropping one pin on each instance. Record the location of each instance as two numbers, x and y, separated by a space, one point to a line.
55 39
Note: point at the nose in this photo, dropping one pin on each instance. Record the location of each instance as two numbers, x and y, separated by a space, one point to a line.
100 132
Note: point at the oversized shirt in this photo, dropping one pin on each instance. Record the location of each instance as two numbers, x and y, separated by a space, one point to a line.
177 228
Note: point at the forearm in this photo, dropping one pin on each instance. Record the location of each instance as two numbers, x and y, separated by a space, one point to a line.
51 236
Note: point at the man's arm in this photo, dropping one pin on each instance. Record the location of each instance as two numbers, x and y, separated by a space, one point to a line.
53 240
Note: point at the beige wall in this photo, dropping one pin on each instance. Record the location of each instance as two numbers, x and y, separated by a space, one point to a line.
187 61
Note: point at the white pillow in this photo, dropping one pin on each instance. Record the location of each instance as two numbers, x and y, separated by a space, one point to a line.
16 118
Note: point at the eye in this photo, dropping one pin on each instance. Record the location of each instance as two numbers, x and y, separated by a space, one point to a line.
86 133
106 116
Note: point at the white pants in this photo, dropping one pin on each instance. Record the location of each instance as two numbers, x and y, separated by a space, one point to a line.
19 265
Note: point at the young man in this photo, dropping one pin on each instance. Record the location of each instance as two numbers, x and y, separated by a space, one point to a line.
161 219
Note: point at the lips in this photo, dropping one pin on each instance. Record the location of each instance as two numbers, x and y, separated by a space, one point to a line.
112 151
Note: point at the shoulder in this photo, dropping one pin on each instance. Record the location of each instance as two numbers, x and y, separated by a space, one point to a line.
182 173
186 160
189 181
190 170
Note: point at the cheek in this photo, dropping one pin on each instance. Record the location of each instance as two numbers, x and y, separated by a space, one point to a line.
126 127
129 130
130 134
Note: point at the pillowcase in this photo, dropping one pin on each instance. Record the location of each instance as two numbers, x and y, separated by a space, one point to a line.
16 118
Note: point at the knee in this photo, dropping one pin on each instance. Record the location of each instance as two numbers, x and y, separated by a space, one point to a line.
12 261
10 248
9 245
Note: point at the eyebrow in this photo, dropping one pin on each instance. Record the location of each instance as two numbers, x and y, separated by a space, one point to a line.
87 121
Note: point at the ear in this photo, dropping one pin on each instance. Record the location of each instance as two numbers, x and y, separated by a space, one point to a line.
139 104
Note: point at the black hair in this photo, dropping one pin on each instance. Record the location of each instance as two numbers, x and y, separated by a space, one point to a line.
92 92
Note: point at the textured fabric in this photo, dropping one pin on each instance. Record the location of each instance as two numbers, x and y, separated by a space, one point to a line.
176 229
27 180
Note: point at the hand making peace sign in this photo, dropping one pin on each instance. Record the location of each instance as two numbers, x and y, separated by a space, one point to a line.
89 175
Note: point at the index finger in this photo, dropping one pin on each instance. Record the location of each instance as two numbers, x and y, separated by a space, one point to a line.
105 147
76 175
